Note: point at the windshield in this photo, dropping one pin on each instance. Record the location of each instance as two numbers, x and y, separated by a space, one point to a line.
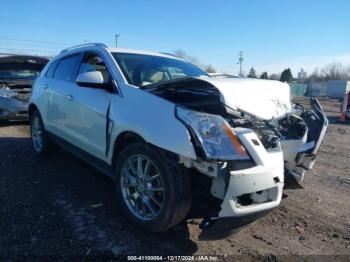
142 70
19 74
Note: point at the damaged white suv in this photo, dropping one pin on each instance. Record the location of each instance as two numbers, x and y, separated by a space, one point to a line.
167 132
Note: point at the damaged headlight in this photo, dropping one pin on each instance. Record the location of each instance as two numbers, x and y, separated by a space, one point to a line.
7 92
216 136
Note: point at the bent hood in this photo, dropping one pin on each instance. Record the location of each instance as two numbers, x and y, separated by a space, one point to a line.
265 99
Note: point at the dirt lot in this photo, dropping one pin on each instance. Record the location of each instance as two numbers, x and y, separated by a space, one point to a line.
62 206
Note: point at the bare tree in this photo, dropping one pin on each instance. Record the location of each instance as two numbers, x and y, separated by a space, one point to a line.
180 54
347 72
334 71
193 60
209 69
315 76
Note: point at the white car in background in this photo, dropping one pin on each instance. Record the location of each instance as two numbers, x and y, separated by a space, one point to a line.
162 128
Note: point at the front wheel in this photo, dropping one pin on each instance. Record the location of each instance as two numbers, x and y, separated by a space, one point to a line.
153 193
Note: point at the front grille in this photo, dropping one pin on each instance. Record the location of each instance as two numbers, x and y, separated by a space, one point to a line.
23 95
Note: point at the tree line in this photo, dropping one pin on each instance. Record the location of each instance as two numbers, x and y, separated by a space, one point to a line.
332 71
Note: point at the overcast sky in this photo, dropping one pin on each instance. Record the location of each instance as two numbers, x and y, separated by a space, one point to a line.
272 34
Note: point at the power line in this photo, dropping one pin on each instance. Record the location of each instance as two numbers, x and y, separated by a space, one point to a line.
31 50
35 41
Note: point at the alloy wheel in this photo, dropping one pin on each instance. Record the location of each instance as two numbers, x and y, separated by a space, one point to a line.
142 187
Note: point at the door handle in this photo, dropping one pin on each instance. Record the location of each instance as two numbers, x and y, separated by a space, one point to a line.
70 97
45 86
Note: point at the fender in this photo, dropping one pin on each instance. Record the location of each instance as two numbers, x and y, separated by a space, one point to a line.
152 118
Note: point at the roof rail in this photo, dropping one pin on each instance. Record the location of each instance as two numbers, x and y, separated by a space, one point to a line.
82 45
165 53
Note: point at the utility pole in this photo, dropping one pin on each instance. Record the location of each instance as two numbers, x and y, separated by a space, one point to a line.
240 61
116 40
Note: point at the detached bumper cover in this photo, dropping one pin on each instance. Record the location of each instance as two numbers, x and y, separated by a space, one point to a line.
227 226
251 193
12 109
300 156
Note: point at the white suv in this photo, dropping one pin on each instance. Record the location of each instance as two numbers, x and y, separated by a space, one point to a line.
163 129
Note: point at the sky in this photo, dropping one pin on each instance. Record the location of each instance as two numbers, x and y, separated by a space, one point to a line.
273 34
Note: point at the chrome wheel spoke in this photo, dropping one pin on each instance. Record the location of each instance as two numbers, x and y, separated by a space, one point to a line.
154 199
131 179
138 204
142 187
154 177
148 204
139 167
132 167
156 189
146 171
37 134
133 196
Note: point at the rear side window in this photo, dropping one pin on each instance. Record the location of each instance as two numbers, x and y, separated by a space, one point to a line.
51 70
67 68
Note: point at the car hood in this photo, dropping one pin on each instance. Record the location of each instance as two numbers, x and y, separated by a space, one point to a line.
265 99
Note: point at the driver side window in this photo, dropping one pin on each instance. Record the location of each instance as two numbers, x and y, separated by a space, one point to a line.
93 62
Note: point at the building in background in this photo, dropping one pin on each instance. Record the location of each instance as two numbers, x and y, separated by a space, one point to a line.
302 75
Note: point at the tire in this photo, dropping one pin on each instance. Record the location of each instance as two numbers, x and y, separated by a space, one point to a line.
171 205
42 144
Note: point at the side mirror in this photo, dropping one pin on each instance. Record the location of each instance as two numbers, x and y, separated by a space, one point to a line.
93 79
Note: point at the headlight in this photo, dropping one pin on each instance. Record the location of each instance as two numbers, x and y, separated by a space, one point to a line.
8 93
217 138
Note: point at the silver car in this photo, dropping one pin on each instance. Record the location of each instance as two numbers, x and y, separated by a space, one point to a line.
17 74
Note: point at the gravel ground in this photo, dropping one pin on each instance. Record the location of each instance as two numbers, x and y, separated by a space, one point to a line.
62 206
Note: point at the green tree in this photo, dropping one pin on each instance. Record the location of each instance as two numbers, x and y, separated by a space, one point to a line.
252 73
286 76
264 75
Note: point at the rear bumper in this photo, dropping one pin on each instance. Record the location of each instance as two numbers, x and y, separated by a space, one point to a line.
12 109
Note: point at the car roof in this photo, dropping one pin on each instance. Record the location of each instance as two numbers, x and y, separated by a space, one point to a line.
94 46
140 52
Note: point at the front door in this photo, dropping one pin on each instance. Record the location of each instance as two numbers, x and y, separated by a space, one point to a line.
89 109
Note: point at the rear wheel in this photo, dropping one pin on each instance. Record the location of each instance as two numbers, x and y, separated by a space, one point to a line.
41 142
153 193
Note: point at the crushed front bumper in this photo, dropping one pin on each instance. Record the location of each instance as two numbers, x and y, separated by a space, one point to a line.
300 155
12 109
227 226
251 193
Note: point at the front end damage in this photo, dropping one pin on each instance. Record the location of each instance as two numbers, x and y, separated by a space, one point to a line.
270 149
17 74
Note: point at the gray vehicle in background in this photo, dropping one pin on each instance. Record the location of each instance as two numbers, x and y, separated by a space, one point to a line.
17 74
